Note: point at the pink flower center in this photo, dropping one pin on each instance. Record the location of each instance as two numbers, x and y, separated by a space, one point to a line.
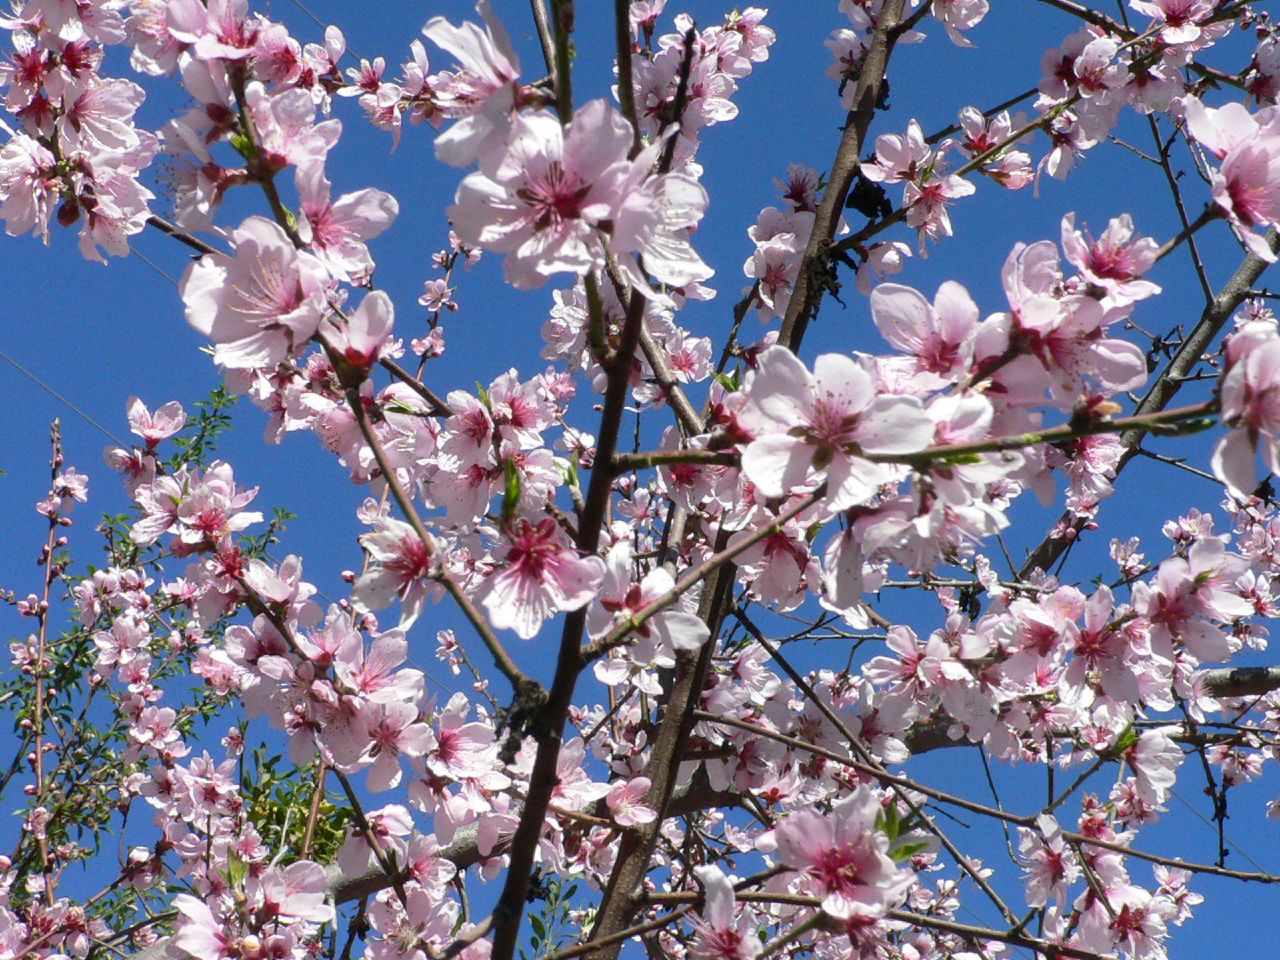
534 548
1110 263
555 197
837 871
413 560
271 292
1248 200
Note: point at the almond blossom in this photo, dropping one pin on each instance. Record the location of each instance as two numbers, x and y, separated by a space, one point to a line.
482 93
260 305
721 935
625 803
544 200
542 575
1115 260
825 421
402 568
726 523
844 857
337 230
28 186
621 598
1245 188
938 338
1250 397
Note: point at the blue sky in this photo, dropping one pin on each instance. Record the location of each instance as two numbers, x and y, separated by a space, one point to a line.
97 335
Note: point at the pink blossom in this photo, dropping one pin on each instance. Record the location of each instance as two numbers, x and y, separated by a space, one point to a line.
394 730
1179 19
927 203
844 857
277 57
101 116
218 30
28 186
297 892
1049 865
371 673
939 338
899 158
882 260
437 295
402 567
719 934
286 127
1155 759
825 421
624 802
621 598
482 93
1247 187
544 200
337 230
1250 397
461 750
1063 333
154 427
653 220
1008 167
365 335
1115 260
198 932
1096 72
542 575
958 16
259 305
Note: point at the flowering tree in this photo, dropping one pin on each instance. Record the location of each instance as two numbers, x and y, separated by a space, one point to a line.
688 712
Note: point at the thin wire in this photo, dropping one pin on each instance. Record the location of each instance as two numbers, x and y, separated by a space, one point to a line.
1231 843
347 51
61 399
134 251
303 7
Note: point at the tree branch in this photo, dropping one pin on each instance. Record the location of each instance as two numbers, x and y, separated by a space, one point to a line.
807 295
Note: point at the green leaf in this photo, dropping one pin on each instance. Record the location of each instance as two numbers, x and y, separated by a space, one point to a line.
890 822
729 382
1123 742
905 851
396 405
237 870
511 494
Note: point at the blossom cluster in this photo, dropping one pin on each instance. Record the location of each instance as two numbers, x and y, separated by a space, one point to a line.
776 488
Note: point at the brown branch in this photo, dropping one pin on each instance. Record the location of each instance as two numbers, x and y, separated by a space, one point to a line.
545 39
690 422
164 226
543 779
635 852
807 295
